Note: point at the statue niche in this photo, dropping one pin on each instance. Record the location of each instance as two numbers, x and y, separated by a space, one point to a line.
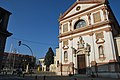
80 43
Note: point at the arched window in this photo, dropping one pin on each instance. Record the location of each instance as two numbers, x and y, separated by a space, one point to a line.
101 52
80 23
65 56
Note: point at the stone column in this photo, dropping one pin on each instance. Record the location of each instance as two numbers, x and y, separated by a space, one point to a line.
60 58
89 18
70 22
104 13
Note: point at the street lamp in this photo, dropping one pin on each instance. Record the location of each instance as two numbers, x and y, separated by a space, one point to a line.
24 64
20 43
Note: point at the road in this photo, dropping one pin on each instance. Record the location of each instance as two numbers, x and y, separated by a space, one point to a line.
50 77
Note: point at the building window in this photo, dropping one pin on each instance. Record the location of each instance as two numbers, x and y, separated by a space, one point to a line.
65 27
65 56
79 24
97 17
101 53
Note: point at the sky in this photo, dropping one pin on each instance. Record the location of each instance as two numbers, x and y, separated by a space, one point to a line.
35 23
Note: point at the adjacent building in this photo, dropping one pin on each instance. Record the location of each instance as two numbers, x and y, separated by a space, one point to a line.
4 17
53 67
42 65
87 44
17 61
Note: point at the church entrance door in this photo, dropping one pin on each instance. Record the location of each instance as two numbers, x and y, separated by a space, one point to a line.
81 64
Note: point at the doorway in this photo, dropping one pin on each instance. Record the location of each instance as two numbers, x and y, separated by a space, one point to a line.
81 64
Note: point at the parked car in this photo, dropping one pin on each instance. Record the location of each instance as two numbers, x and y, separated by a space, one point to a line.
19 71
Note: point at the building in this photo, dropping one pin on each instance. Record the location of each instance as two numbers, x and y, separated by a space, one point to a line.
15 61
54 67
86 39
43 66
4 17
56 60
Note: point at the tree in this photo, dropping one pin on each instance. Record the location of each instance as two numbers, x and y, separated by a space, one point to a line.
49 58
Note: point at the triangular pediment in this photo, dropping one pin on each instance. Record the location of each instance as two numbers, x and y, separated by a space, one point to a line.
80 5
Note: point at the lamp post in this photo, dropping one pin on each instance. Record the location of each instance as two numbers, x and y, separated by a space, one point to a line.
24 64
20 43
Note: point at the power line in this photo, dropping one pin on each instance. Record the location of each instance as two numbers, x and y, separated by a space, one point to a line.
35 42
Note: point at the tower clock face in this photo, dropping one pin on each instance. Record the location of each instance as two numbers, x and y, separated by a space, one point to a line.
78 8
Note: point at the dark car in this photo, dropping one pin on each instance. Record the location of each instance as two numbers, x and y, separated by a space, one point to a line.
19 71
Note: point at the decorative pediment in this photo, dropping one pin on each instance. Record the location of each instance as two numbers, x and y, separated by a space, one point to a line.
87 48
100 38
82 48
99 41
78 8
81 6
80 51
65 47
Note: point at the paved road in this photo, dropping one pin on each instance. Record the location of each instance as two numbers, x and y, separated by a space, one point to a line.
11 78
51 78
69 78
55 78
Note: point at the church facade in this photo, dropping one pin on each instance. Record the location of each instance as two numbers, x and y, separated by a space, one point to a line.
86 39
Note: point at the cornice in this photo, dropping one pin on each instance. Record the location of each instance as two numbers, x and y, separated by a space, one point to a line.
88 33
97 25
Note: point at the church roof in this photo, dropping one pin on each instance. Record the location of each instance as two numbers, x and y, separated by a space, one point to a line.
92 1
